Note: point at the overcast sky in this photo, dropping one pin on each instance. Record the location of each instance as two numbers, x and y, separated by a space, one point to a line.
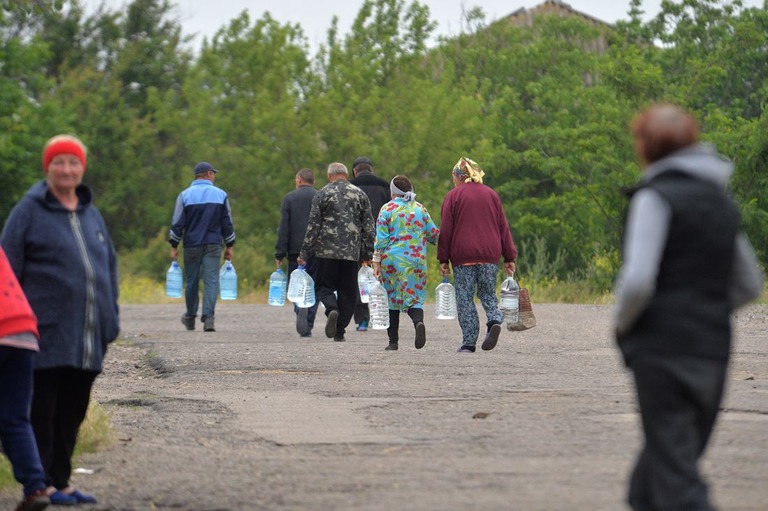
204 17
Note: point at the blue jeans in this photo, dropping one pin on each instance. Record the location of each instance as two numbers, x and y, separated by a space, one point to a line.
16 366
202 261
466 279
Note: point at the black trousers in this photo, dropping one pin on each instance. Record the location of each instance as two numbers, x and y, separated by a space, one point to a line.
416 315
340 276
59 404
679 398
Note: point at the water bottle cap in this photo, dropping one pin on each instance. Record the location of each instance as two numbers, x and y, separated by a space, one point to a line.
301 266
445 279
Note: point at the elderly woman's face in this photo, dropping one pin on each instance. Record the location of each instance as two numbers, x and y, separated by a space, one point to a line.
65 172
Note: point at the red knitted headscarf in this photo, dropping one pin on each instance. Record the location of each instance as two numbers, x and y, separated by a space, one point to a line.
63 144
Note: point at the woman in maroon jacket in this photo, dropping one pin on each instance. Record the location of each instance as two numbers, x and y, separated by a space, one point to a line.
474 235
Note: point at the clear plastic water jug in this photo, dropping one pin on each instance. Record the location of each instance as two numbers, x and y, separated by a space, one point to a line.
174 281
509 301
301 288
365 280
228 281
378 306
278 283
445 300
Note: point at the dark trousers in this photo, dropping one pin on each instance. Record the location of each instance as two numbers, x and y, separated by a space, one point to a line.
59 404
340 276
679 398
16 366
416 315
310 269
362 314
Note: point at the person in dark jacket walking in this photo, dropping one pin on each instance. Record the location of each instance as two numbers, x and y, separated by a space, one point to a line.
687 266
340 233
474 235
294 215
378 194
61 253
202 218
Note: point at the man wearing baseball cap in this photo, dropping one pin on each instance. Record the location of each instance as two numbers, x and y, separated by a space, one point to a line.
202 220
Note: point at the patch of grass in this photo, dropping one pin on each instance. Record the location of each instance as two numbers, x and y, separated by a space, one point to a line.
96 434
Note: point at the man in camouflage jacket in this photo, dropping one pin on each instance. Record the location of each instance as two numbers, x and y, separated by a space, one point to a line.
340 234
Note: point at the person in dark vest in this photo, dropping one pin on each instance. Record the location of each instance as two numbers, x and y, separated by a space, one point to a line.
687 266
378 194
294 216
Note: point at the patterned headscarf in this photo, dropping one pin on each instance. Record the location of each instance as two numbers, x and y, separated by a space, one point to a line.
468 170
394 190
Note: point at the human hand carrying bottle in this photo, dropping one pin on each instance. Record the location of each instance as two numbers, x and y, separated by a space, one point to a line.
228 281
278 283
445 300
174 280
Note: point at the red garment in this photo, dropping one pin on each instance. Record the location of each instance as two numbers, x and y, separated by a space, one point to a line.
473 228
16 316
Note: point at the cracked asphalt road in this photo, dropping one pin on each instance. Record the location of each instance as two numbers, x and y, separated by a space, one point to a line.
253 417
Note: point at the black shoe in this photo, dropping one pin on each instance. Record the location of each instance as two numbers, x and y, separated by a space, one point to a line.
339 338
208 324
188 321
421 335
330 324
492 337
302 327
391 347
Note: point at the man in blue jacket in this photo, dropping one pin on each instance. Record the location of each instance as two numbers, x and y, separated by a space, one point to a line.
202 219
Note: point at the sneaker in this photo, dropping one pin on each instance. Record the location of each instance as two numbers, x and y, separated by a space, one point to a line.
492 337
421 335
59 498
465 349
302 327
362 327
330 323
339 338
188 321
208 324
35 501
392 346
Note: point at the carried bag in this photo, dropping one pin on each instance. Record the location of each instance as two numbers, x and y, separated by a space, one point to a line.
525 319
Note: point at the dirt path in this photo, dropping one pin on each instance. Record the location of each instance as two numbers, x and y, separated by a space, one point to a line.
253 417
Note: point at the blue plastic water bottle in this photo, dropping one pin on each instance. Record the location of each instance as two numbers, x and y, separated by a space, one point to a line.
228 281
174 280
277 288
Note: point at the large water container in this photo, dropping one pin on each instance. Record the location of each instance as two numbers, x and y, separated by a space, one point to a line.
278 283
301 288
509 302
378 306
228 281
365 280
174 280
445 300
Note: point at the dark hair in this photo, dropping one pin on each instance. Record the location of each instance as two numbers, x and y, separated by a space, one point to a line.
306 175
403 183
663 129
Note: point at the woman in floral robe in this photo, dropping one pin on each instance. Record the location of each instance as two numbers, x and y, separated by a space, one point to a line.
403 229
